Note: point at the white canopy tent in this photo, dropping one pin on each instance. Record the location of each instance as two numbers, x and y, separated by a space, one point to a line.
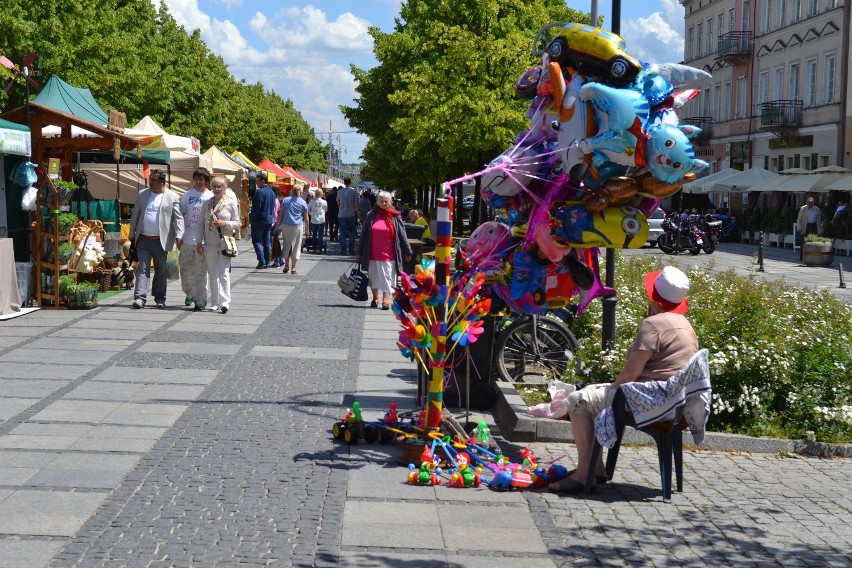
698 186
812 181
742 180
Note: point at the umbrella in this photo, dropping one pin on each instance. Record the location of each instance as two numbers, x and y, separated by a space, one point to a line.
817 180
742 180
698 185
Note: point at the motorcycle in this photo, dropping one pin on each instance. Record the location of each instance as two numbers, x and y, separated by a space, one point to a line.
683 236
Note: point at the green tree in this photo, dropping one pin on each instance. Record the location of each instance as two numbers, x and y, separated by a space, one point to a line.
441 101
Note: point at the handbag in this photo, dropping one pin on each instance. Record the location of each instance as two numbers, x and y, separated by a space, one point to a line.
354 284
227 244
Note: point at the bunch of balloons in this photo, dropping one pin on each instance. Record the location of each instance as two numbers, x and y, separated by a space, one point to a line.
603 147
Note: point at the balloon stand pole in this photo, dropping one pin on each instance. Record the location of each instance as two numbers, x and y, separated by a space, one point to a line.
608 305
443 247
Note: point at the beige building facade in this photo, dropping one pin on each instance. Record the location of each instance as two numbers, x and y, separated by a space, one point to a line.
777 95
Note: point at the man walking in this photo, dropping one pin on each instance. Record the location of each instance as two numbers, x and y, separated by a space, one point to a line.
261 219
808 222
332 213
193 267
347 199
155 226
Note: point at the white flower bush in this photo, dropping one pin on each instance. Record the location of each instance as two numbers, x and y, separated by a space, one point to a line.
780 356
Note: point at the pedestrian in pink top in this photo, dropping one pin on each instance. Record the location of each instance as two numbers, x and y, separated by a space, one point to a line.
381 249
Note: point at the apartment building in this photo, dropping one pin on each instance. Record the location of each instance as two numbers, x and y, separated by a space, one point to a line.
776 96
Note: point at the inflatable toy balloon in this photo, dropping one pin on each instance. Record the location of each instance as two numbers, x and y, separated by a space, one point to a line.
488 247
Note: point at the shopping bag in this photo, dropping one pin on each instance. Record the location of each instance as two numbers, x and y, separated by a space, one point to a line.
276 248
354 284
173 265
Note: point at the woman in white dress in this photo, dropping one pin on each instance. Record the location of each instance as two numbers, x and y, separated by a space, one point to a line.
221 213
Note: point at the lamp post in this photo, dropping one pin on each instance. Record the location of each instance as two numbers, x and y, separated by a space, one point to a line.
335 148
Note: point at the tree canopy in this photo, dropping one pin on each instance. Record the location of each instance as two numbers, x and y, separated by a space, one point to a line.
441 101
137 59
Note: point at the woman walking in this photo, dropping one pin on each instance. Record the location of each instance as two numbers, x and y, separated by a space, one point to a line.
381 249
294 224
317 209
220 216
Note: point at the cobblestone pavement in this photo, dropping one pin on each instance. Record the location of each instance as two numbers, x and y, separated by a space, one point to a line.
170 438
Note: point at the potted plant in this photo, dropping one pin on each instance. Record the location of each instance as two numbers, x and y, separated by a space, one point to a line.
817 251
66 221
85 296
66 282
65 190
66 249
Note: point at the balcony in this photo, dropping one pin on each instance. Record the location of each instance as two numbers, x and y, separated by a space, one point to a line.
702 122
781 117
734 48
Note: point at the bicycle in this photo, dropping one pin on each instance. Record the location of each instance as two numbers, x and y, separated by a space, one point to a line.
535 345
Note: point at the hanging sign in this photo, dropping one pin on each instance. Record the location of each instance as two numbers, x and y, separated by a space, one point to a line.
53 168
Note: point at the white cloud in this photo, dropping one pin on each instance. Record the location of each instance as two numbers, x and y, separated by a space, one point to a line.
653 39
296 52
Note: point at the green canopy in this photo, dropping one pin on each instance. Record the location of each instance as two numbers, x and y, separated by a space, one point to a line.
14 138
59 95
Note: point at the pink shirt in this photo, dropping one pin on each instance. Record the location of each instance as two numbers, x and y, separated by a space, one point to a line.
381 242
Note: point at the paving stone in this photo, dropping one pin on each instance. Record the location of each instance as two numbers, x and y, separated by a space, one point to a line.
30 553
9 407
194 348
47 513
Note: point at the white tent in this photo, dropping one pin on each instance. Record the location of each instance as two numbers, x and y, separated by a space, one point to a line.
815 181
167 141
698 186
742 180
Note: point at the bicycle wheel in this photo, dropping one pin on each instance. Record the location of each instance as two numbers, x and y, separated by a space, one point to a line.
525 348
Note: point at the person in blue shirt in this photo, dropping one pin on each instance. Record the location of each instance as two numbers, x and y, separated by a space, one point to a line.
294 225
261 219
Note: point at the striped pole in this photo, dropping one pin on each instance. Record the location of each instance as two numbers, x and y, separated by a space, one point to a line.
443 247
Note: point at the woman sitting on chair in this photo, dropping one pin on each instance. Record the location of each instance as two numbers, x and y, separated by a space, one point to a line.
665 342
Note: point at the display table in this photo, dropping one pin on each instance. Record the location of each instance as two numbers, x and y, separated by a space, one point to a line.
10 301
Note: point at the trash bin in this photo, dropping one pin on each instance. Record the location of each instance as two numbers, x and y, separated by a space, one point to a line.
415 232
416 251
480 382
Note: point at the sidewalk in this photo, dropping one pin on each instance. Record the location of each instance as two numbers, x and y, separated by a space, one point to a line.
170 438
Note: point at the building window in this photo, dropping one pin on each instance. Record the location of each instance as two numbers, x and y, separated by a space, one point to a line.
828 79
823 160
794 82
830 5
773 164
709 49
746 17
699 38
810 83
795 10
706 102
806 162
766 11
778 87
763 87
689 44
726 102
731 20
790 162
720 22
780 13
741 97
813 6
717 102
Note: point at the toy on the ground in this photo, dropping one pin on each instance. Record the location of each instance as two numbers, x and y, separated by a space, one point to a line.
428 473
464 475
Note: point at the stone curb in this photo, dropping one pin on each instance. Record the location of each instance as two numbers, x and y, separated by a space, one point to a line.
517 425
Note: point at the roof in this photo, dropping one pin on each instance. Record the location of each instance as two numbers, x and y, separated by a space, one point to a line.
222 162
166 141
268 165
9 125
59 95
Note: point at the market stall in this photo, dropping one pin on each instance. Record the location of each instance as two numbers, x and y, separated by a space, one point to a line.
15 147
79 125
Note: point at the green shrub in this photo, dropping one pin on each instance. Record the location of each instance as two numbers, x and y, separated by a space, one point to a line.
780 356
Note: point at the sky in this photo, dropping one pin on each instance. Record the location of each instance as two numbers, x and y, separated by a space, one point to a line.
303 50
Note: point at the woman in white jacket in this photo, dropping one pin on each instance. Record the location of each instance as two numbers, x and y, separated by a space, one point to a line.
221 213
